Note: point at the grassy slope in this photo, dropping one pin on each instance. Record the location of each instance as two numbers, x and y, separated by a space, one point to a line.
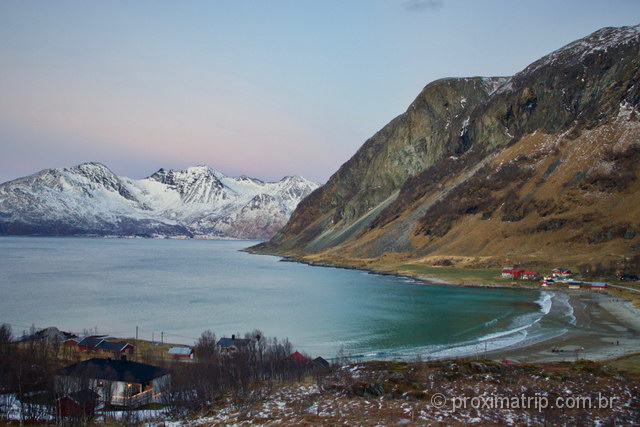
476 243
463 276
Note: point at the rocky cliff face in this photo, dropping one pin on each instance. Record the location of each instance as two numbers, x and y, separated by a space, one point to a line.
429 130
89 199
538 163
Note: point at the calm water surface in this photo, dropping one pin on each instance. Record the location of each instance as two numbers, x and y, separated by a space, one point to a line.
182 287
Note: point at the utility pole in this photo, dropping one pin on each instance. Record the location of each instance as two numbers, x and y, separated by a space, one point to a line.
161 338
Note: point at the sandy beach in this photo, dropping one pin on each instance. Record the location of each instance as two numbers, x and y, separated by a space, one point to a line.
605 327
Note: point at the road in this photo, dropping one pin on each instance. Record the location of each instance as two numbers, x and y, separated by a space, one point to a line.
624 287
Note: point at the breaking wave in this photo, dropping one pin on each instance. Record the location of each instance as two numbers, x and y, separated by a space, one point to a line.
523 330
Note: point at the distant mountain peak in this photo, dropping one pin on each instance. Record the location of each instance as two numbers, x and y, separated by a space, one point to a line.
199 169
90 199
91 167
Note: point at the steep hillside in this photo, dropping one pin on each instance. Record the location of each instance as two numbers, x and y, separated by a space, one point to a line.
89 199
541 166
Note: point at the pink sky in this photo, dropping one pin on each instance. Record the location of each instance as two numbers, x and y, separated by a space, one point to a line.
257 88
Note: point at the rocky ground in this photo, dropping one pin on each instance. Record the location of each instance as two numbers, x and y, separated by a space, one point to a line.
453 392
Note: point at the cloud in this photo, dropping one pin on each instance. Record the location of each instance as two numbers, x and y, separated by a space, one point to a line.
422 5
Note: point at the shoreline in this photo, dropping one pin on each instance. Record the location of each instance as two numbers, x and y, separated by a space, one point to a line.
606 326
427 280
601 332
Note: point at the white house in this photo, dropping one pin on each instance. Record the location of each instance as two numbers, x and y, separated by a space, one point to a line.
117 382
232 345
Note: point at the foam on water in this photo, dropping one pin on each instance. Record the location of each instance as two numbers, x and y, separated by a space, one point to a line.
523 330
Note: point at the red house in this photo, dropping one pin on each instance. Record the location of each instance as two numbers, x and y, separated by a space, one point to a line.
599 286
81 404
116 347
181 352
516 273
99 343
298 357
506 272
71 342
90 343
512 273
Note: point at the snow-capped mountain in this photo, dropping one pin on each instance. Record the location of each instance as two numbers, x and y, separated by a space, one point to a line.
89 199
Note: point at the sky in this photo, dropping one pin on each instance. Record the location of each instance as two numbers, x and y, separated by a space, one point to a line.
260 88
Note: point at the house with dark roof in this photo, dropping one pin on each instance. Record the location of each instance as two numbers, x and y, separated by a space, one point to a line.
118 382
321 362
116 347
233 344
91 342
100 343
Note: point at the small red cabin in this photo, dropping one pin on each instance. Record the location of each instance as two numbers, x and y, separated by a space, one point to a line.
516 273
181 352
298 357
79 404
71 342
512 273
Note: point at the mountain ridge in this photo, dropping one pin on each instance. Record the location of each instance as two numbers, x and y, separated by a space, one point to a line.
470 169
89 199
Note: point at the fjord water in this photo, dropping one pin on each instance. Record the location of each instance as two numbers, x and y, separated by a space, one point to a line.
183 287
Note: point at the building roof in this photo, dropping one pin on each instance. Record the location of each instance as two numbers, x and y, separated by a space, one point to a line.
112 345
233 342
92 341
181 351
321 361
298 357
115 370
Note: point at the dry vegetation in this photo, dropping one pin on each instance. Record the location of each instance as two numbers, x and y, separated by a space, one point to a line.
544 201
262 387
29 393
392 393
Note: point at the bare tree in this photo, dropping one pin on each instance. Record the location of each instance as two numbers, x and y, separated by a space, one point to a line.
205 348
6 335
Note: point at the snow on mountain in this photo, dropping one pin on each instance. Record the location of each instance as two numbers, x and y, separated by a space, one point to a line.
598 42
89 199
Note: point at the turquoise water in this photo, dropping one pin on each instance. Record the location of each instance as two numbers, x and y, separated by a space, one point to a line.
182 287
